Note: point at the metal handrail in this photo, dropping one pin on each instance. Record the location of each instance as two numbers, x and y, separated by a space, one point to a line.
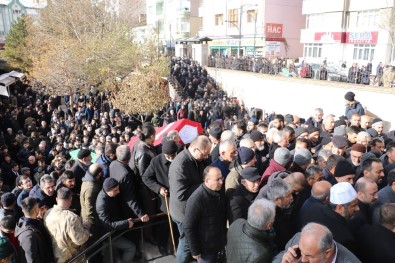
108 236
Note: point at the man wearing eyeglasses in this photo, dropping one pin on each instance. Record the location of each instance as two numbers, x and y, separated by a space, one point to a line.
185 176
205 217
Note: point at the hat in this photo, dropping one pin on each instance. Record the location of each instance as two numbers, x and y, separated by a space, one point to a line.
340 122
251 174
358 148
342 193
245 155
24 169
282 156
343 168
254 120
366 156
83 153
299 131
377 121
339 141
289 118
256 136
326 140
169 147
6 248
311 129
216 132
302 156
109 183
8 199
349 96
339 131
373 133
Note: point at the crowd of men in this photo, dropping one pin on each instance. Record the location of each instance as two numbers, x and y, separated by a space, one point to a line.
276 188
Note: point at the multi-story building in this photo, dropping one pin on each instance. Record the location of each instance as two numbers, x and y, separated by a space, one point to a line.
173 20
348 30
254 28
11 10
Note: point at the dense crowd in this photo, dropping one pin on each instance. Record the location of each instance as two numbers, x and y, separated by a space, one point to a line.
356 74
272 188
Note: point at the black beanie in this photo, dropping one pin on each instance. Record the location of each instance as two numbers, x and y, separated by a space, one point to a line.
349 96
83 153
343 168
169 147
109 183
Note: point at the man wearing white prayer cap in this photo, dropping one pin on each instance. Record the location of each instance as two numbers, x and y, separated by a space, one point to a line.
343 203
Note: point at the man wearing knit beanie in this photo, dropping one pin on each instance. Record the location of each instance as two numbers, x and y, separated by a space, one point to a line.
156 178
378 126
339 145
302 159
352 106
344 172
280 162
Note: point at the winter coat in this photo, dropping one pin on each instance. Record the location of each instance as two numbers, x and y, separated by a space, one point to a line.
272 168
186 175
35 242
79 171
90 188
247 244
239 202
128 187
157 176
108 212
67 233
356 107
141 157
205 221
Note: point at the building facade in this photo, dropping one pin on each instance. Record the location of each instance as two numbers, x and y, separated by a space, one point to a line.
268 28
173 20
11 10
352 31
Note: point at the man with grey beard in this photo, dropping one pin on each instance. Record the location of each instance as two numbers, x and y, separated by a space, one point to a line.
261 150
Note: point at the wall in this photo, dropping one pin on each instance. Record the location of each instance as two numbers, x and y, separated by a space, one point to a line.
300 96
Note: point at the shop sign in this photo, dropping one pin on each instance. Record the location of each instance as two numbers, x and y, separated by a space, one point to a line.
330 37
274 30
273 48
366 37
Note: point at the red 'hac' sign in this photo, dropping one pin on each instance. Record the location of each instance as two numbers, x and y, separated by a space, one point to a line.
274 30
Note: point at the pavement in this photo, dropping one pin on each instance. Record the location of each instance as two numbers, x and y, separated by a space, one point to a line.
152 255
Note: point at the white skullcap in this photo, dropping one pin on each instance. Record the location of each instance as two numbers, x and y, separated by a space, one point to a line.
342 193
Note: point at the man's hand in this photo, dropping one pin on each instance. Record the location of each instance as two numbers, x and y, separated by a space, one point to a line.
290 256
144 218
130 222
197 257
163 191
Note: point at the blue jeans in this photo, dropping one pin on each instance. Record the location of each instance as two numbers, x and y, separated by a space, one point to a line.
183 252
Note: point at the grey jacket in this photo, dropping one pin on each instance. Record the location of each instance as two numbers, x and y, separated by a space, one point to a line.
343 254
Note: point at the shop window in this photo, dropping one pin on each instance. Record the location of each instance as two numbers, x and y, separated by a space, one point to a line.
312 50
363 52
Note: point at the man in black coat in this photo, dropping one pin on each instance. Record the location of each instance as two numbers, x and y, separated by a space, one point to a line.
34 239
205 220
343 204
120 171
252 240
244 194
186 176
156 178
376 243
80 167
110 217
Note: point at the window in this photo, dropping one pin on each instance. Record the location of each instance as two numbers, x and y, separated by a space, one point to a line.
233 18
219 20
312 50
368 18
363 52
251 16
159 8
